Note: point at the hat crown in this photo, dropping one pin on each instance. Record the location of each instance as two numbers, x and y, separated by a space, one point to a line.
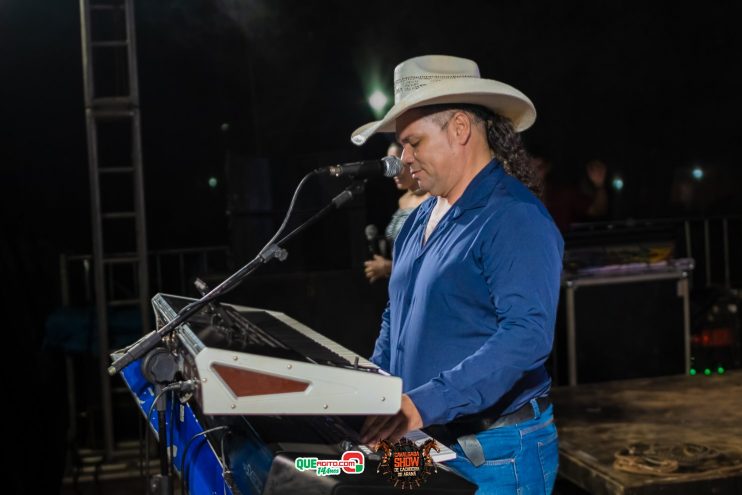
442 79
415 73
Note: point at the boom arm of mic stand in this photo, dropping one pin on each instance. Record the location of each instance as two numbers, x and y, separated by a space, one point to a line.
143 345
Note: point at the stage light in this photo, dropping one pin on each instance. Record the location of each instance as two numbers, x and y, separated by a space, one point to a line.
697 173
212 182
720 370
707 372
617 183
692 372
376 85
378 101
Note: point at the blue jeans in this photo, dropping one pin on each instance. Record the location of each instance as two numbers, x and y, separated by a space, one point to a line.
520 459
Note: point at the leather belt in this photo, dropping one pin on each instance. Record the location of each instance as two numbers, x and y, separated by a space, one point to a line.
474 424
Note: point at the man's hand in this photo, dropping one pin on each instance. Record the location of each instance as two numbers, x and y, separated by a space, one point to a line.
392 427
377 268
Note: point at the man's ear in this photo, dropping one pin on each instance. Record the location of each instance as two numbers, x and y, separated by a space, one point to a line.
461 127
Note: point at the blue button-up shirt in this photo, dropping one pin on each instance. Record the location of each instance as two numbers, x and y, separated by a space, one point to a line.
470 319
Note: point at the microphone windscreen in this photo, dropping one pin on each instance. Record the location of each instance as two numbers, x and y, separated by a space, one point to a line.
371 232
392 166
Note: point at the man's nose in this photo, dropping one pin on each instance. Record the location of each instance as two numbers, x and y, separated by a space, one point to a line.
407 155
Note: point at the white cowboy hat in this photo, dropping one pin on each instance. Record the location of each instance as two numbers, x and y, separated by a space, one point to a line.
435 79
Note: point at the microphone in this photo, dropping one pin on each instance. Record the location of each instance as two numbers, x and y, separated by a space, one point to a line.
389 166
372 232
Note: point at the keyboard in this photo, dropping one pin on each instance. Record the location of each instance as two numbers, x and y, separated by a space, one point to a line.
251 361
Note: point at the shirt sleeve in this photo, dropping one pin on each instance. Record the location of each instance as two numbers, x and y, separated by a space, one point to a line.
381 357
521 264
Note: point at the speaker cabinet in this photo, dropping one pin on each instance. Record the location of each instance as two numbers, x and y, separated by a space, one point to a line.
622 327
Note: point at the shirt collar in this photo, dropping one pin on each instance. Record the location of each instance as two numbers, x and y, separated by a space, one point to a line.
479 190
476 194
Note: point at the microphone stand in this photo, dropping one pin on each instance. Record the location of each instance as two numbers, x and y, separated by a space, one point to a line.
275 250
159 368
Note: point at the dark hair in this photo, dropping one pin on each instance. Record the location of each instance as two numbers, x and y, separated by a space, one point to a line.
504 142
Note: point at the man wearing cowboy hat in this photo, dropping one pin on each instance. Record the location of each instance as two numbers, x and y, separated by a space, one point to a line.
475 284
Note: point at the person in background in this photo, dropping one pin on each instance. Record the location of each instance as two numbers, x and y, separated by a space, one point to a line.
474 290
568 203
380 266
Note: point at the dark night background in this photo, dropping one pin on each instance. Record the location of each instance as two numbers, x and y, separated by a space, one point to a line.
651 88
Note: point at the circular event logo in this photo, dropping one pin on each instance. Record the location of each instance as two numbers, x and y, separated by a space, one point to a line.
406 465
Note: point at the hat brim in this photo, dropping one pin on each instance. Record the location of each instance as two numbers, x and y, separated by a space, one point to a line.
501 98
